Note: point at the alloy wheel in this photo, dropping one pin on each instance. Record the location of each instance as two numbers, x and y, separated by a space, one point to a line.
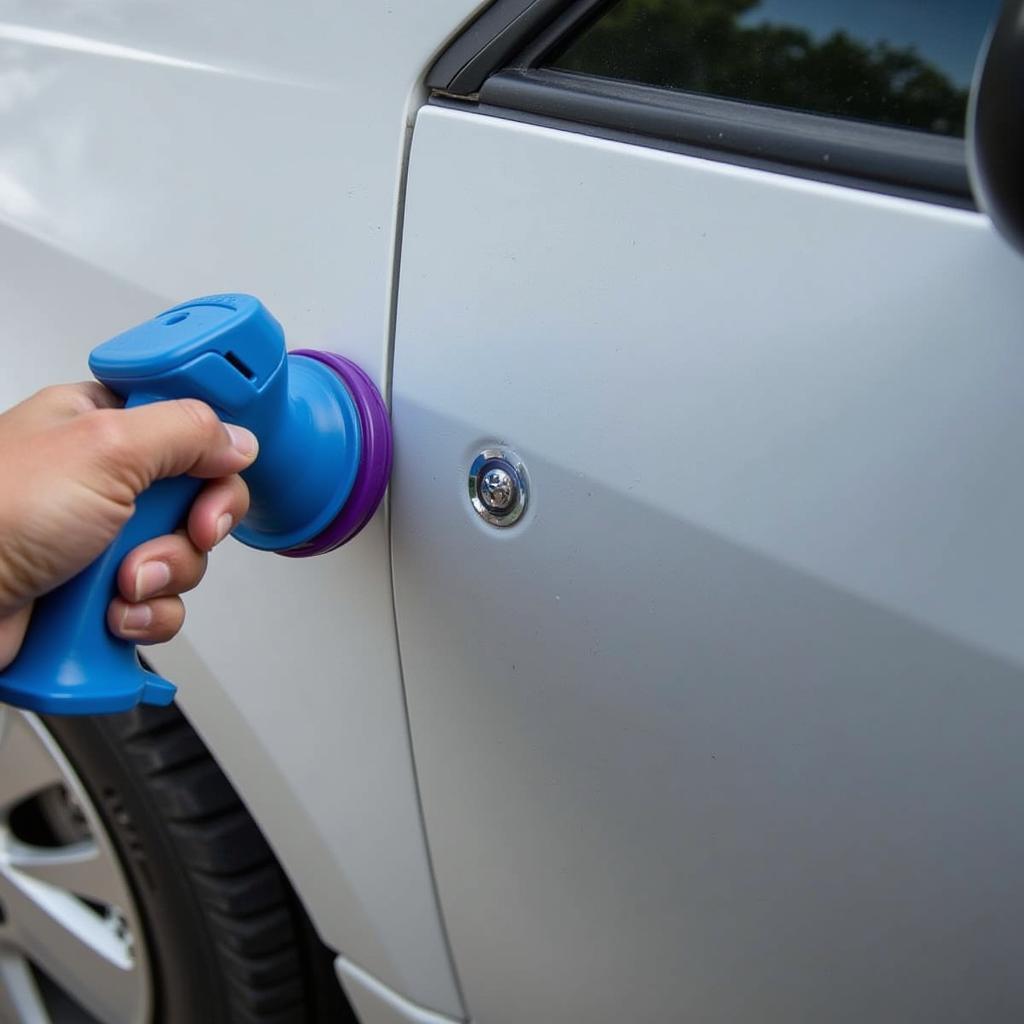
72 945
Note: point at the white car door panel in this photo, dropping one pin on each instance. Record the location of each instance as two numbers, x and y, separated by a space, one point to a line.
726 728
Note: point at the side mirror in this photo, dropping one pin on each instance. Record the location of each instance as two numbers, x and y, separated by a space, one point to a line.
995 126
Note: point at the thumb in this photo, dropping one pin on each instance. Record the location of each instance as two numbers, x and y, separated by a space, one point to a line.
149 442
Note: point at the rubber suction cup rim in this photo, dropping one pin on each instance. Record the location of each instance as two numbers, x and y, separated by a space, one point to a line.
374 467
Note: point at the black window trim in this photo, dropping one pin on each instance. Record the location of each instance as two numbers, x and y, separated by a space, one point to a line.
498 68
495 37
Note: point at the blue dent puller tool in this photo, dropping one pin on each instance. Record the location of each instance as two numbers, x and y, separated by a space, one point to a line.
323 466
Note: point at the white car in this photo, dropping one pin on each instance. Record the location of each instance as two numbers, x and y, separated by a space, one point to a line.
725 723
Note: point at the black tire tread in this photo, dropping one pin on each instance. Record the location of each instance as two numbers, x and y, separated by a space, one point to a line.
259 933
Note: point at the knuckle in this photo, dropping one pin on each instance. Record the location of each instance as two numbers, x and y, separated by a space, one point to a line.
52 394
168 617
187 568
197 569
200 416
243 501
103 431
64 398
237 492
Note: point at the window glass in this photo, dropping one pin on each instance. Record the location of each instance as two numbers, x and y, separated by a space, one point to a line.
899 62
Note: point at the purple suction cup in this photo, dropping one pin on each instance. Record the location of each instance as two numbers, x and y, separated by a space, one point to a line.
374 466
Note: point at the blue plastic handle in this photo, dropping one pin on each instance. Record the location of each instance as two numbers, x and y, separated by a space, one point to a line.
69 644
230 352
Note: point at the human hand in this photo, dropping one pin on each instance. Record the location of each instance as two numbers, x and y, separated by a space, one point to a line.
72 463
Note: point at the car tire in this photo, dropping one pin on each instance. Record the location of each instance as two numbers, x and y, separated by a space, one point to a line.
228 941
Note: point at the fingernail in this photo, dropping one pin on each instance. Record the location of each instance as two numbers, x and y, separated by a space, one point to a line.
136 616
243 440
150 578
224 524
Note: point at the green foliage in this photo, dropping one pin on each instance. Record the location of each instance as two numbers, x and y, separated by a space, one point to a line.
705 46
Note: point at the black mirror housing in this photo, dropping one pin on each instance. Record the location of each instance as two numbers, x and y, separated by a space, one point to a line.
995 125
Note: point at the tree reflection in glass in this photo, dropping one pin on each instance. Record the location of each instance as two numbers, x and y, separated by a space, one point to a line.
790 53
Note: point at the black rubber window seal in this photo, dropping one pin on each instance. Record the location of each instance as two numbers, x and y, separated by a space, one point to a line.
895 156
501 32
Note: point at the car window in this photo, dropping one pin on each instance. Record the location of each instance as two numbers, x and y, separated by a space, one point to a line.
897 62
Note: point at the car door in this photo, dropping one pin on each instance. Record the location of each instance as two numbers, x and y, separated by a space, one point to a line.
726 726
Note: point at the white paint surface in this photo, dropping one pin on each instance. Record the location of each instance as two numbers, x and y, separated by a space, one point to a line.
375 1004
728 728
